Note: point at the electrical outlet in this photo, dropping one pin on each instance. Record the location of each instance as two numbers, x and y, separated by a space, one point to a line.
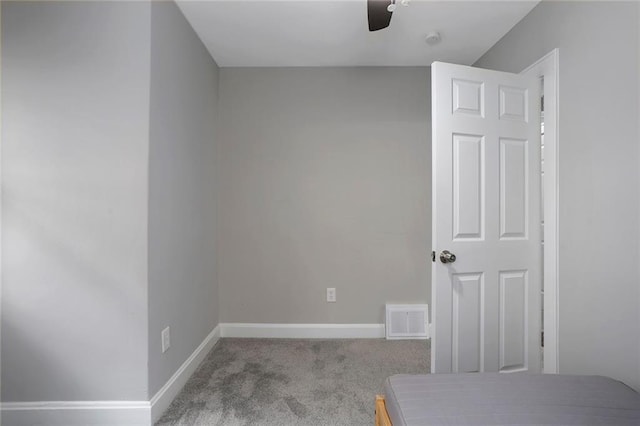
166 339
331 294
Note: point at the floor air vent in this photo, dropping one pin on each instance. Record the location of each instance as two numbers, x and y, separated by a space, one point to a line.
407 322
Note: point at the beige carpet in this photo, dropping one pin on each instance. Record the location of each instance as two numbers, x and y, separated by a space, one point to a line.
293 381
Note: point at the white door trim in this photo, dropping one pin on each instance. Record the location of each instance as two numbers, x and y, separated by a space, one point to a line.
547 68
1 197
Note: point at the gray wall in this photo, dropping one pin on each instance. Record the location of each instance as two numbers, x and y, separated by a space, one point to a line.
75 100
182 282
324 181
598 181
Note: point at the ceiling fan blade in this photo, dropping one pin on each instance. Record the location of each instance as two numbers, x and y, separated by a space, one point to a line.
379 16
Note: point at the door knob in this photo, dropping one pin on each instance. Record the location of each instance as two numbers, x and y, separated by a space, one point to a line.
447 257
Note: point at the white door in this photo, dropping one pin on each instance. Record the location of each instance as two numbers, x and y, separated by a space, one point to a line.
486 211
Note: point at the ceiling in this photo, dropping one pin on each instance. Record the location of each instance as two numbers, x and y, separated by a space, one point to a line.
279 33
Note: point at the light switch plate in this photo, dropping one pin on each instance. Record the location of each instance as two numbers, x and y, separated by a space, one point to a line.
166 339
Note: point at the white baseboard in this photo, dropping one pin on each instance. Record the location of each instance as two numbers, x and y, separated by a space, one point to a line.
303 331
107 413
162 399
58 413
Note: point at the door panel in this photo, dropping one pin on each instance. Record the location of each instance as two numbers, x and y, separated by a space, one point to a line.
514 189
513 320
468 191
486 210
467 319
468 97
514 103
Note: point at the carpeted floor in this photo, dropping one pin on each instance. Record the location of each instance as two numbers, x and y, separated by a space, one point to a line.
293 381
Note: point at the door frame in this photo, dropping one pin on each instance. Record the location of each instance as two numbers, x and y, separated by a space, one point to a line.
547 68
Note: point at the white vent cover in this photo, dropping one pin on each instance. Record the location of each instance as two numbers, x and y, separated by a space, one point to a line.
407 322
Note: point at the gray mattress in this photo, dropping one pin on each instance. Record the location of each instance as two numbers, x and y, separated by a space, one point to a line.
509 399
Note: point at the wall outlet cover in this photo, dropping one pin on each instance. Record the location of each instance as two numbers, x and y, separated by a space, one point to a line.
331 294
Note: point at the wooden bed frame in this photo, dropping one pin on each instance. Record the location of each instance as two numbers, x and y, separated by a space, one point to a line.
382 417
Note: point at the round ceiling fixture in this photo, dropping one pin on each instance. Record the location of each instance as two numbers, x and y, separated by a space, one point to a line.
433 38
